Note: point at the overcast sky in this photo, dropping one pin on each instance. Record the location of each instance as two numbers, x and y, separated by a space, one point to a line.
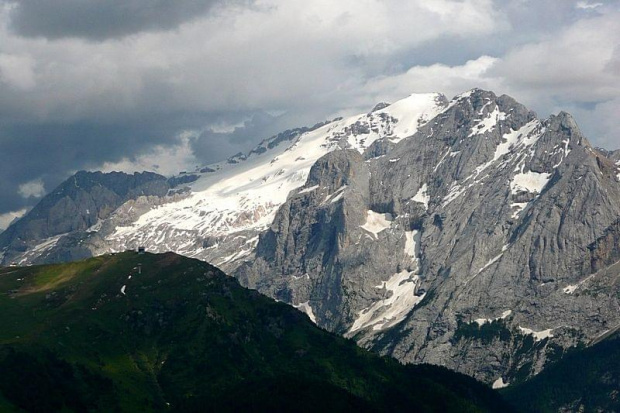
166 85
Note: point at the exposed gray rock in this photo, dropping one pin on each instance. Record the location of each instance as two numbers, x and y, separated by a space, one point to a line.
311 237
506 236
487 241
76 205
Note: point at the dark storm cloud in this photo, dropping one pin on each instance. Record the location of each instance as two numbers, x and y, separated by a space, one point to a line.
214 146
70 104
99 20
52 151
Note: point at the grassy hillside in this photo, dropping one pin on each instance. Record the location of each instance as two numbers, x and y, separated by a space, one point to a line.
586 380
131 332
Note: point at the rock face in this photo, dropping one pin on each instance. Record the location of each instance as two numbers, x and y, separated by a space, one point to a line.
478 243
466 233
76 205
304 253
192 340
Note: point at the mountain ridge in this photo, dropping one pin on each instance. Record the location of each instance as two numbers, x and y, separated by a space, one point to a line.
161 332
463 232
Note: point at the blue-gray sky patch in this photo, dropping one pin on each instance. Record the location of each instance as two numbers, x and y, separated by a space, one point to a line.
100 20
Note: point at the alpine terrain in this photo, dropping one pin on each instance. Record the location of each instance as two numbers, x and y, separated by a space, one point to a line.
466 233
585 380
160 332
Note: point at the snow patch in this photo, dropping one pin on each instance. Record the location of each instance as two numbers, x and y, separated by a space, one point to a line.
305 191
395 122
499 384
123 289
517 207
565 152
515 141
520 139
335 196
95 227
491 262
487 124
412 247
454 192
441 160
305 308
413 112
422 196
235 256
39 249
392 310
464 95
532 182
483 321
376 222
570 289
538 335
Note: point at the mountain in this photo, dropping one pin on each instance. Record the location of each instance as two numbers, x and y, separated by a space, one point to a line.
145 332
72 209
485 242
466 233
219 215
586 381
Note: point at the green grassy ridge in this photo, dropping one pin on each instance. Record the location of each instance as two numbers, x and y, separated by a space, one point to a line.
186 337
585 380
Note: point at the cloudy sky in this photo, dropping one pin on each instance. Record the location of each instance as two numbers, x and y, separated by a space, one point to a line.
166 85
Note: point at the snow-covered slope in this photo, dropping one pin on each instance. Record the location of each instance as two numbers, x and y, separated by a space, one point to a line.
217 212
227 208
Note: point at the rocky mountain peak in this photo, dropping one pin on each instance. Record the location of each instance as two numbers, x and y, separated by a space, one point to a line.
76 205
379 106
336 169
485 211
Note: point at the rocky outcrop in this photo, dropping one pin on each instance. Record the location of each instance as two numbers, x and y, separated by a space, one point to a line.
311 237
77 204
